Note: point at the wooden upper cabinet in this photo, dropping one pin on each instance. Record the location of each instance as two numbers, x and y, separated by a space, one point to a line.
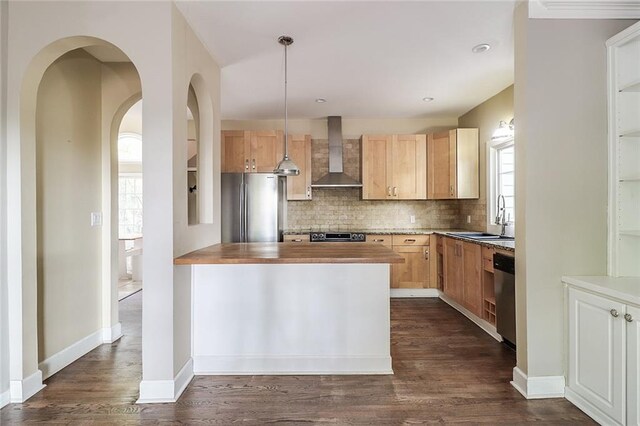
472 278
267 149
235 146
250 152
408 167
299 187
453 164
374 167
394 167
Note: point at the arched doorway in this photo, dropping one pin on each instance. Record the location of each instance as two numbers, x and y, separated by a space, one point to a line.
79 98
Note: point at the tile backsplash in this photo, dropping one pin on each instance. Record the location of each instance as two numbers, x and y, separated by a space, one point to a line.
343 208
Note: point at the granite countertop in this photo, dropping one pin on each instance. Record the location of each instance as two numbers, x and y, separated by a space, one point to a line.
282 253
508 245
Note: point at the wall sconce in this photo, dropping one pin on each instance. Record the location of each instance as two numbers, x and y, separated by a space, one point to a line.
504 131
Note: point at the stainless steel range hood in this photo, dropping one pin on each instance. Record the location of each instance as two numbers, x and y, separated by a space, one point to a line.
336 177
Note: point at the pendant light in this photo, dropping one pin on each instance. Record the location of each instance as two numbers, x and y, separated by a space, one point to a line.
286 167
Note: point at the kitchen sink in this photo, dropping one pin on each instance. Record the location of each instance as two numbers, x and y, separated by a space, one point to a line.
483 236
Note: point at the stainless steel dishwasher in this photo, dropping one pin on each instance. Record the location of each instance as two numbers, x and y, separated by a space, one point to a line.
505 287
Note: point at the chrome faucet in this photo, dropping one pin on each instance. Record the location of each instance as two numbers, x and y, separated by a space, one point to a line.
501 216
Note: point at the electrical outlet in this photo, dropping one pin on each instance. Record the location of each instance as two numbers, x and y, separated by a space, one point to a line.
412 219
468 218
96 218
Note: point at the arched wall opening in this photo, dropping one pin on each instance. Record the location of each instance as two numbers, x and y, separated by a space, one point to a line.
66 122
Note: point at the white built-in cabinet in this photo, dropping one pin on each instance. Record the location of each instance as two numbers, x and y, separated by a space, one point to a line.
624 152
603 342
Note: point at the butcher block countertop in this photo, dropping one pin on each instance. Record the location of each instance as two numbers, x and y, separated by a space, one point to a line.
282 253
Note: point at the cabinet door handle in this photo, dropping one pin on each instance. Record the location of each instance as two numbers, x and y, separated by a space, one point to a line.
253 164
628 317
451 190
389 190
308 192
246 164
409 240
395 191
426 254
614 313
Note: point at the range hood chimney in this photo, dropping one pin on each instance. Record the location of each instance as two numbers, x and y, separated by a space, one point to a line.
336 177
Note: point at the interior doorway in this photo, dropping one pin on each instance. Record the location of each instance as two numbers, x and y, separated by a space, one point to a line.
130 225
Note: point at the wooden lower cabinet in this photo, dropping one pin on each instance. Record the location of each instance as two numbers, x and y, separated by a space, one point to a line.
472 278
414 272
453 269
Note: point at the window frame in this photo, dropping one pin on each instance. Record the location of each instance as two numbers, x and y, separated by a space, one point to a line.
492 185
136 175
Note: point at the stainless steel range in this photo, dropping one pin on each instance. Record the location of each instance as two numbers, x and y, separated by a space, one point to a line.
337 237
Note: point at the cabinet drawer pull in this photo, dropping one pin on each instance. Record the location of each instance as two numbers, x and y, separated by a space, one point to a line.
297 240
614 313
246 164
410 240
378 240
628 317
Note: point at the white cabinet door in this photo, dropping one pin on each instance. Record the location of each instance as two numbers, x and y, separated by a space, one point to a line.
633 365
596 351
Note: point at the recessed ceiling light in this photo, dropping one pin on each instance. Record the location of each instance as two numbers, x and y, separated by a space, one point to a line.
481 48
321 100
427 99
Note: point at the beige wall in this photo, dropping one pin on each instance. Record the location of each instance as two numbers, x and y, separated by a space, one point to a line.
4 316
352 128
486 117
561 174
68 144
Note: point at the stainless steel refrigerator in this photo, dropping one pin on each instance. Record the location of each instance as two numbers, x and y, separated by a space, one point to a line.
254 207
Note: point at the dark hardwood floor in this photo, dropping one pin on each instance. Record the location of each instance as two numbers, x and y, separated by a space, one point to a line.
446 371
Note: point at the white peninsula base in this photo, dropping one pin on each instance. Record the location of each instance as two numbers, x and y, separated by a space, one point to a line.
291 318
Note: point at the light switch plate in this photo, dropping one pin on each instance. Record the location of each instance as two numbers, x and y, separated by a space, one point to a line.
468 218
96 218
412 219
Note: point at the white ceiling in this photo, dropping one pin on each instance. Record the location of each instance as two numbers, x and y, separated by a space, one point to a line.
368 59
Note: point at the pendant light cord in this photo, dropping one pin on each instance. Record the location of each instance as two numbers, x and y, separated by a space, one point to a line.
286 128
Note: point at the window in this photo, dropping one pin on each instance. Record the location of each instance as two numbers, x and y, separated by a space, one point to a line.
129 148
130 204
502 183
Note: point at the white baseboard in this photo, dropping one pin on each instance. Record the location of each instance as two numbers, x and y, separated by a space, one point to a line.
158 391
112 334
287 365
538 387
75 351
5 398
21 390
485 325
415 292
588 408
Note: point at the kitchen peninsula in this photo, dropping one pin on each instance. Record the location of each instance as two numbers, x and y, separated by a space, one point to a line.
286 308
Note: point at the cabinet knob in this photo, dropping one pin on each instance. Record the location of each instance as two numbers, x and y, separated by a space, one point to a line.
246 164
614 313
628 317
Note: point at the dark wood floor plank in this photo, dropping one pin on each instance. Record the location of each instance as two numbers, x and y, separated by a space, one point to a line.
447 370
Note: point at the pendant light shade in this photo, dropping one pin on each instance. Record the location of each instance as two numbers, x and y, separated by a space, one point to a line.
286 167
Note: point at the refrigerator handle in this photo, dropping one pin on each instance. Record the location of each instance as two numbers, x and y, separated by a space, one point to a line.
242 212
245 212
